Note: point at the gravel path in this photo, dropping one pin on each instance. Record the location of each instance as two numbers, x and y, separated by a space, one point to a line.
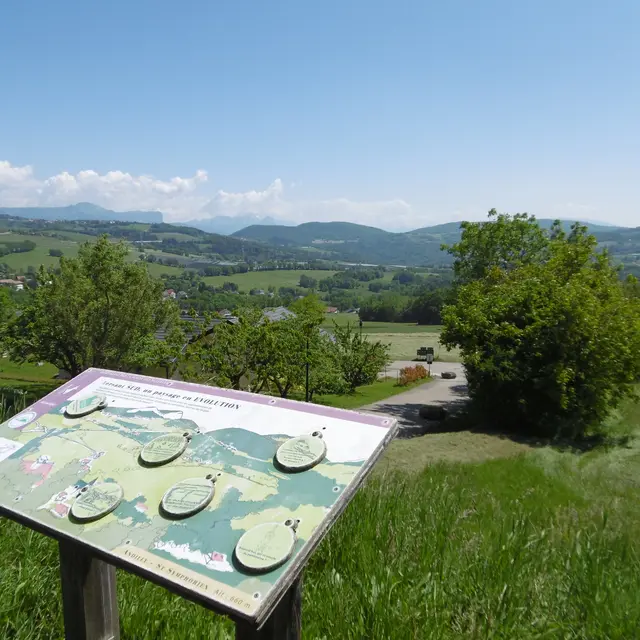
404 406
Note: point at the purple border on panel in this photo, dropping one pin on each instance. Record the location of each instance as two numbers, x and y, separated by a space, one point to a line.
91 375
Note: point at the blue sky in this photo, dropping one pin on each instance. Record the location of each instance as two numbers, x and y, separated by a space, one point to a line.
397 114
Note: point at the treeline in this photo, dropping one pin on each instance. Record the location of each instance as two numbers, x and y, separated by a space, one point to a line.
298 265
260 355
203 297
242 267
410 296
426 308
229 248
130 326
347 279
19 246
163 227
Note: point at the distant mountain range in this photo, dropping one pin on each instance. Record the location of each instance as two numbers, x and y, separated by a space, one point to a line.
342 241
82 211
226 225
359 243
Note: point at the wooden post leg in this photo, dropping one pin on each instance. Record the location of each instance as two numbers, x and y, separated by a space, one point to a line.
88 595
285 622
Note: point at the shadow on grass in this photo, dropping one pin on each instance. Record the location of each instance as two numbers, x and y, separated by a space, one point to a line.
460 416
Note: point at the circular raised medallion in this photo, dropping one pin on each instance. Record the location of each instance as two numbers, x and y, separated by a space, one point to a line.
188 496
96 500
301 453
266 546
85 405
164 448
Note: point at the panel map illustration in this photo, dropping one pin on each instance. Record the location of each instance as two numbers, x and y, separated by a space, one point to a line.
47 459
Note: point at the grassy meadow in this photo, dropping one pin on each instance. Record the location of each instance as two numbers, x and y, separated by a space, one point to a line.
39 255
343 319
158 270
403 346
27 377
540 544
70 235
403 338
367 394
69 247
280 278
263 279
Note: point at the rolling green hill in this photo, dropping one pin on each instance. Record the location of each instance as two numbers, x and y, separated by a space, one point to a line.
359 243
313 233
39 255
181 246
352 242
187 246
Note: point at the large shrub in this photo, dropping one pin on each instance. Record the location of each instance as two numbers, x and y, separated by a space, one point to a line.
550 341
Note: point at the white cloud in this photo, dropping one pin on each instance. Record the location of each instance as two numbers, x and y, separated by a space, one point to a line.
189 198
115 190
10 175
225 203
272 201
185 198
395 213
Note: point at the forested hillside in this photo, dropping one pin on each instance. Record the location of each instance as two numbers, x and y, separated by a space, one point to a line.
359 243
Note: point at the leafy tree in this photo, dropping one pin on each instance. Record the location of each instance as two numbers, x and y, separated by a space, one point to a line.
231 353
504 241
285 355
426 308
310 309
307 282
6 313
384 308
296 343
165 353
96 310
359 359
229 286
632 287
549 339
286 292
257 352
56 253
324 370
405 277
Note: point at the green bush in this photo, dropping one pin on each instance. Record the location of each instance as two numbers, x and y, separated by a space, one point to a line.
550 343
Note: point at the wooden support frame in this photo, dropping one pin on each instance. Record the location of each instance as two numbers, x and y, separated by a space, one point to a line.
285 623
90 603
89 599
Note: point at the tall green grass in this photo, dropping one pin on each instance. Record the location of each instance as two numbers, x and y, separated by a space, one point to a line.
544 545
493 550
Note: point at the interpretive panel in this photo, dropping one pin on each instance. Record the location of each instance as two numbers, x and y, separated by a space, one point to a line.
217 474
